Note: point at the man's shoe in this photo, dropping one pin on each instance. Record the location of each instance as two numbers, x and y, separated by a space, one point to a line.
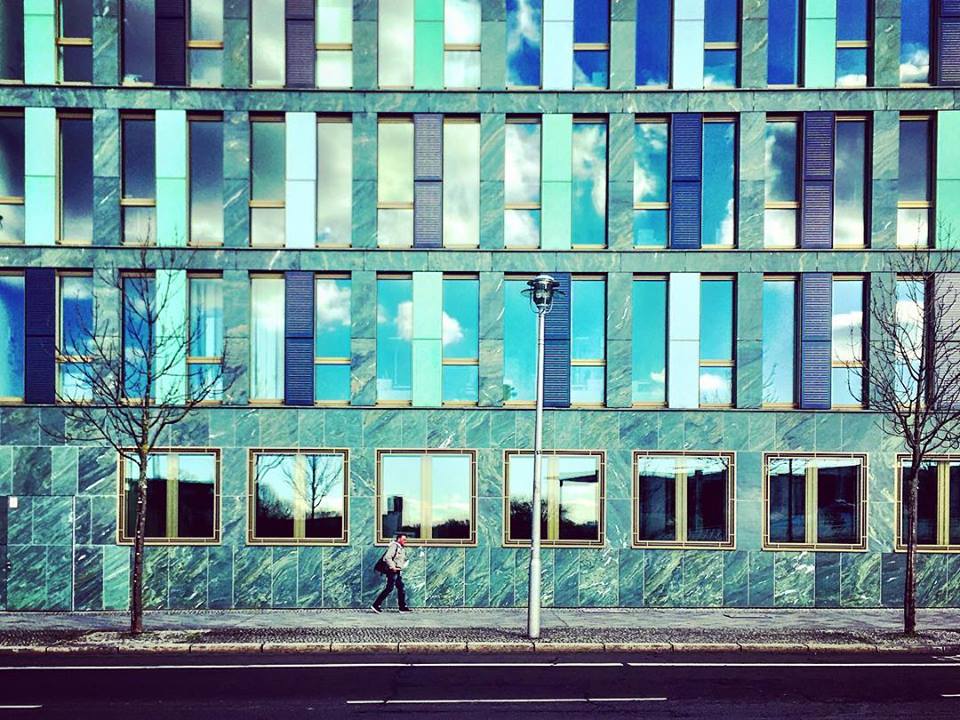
376 609
405 609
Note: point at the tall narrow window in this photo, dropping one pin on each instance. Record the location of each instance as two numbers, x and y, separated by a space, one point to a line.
461 43
206 180
75 40
139 339
524 40
781 197
815 502
651 183
395 183
332 337
268 181
853 43
334 181
591 43
298 498
846 380
395 45
915 29
721 43
649 341
779 341
849 212
205 46
716 340
139 42
571 503
521 187
139 199
334 43
719 173
268 43
12 335
75 330
394 339
519 344
205 338
653 43
588 322
429 497
461 340
76 178
938 503
461 182
589 173
11 177
783 55
911 333
914 186
267 308
11 41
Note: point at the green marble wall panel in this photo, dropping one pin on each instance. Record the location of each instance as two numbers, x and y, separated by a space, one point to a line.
948 179
106 43
428 44
39 42
820 48
749 371
40 168
827 579
735 579
365 180
753 44
493 54
116 577
886 43
750 201
492 140
236 179
886 169
623 49
236 43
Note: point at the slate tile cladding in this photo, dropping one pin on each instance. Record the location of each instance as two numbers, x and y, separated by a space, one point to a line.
60 535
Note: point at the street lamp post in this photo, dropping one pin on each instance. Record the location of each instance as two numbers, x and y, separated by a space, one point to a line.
540 292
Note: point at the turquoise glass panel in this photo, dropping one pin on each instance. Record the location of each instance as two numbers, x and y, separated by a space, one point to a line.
719 167
589 184
649 341
332 320
461 319
778 345
332 383
519 344
461 383
394 339
716 319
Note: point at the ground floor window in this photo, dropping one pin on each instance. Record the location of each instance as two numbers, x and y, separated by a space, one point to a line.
571 498
431 497
815 501
938 503
683 500
298 497
183 497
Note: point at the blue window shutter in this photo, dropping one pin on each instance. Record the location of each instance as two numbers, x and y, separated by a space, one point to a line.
301 52
556 347
298 337
948 43
40 299
171 42
686 171
816 224
427 180
947 293
816 318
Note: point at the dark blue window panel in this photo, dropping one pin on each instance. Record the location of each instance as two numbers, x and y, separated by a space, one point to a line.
298 371
818 132
686 146
556 347
816 226
171 42
301 54
591 21
170 8
39 370
299 304
948 43
653 42
300 9
685 210
427 214
40 302
427 147
816 319
815 375
783 57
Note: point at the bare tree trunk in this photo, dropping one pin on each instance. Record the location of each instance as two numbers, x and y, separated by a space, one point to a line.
910 580
136 573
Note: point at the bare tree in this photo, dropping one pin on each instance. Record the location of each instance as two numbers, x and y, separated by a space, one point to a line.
912 373
125 384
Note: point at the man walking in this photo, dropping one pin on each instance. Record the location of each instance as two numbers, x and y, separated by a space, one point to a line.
392 563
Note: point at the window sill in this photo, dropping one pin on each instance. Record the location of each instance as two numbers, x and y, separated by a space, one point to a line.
657 545
814 547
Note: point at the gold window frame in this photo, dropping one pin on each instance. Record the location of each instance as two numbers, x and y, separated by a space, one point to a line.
730 363
943 544
15 199
648 204
65 41
463 362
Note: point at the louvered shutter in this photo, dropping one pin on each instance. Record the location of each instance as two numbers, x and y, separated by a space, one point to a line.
298 338
816 317
816 225
686 175
301 46
947 355
948 43
40 301
427 180
556 347
171 42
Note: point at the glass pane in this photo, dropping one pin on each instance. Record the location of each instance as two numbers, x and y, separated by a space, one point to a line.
586 385
267 226
461 383
139 159
650 174
206 67
332 317
395 162
276 496
845 384
927 502
521 228
778 346
781 162
395 228
323 491
716 320
206 20
720 68
519 344
787 521
782 56
591 68
579 482
394 333
847 321
139 41
334 21
650 228
205 380
848 216
719 163
649 341
206 182
206 317
780 228
334 68
76 187
461 184
720 21
268 42
451 496
401 495
139 224
838 498
76 315
266 338
74 381
587 319
707 498
12 336
334 183
461 319
914 178
914 42
11 156
913 227
520 474
11 41
139 309
76 18
461 22
591 21
195 495
851 67
716 386
268 160
395 27
331 383
524 21
657 498
852 18
522 165
954 508
590 184
156 496
461 69
653 43
76 63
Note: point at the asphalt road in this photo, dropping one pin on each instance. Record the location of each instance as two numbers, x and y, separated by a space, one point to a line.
671 685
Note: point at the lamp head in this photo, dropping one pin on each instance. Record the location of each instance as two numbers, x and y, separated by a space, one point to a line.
540 291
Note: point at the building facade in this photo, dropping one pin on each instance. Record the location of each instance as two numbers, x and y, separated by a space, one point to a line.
350 196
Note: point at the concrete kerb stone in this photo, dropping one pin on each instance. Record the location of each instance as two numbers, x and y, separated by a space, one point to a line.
498 647
431 647
292 647
705 647
364 647
637 647
224 648
774 647
854 647
565 647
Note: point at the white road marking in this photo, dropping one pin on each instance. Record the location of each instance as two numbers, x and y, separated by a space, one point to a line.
498 701
956 695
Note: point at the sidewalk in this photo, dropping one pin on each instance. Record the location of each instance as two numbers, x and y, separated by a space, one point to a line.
482 630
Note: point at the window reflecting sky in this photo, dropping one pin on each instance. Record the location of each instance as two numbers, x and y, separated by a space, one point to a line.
519 343
522 184
206 317
137 293
12 336
394 335
206 181
847 340
332 321
76 186
781 161
139 41
783 55
334 21
524 35
914 177
778 346
267 160
650 178
653 42
11 40
76 314
268 43
649 340
719 162
461 25
139 158
334 183
589 183
461 183
461 318
450 497
914 42
266 338
848 219
395 28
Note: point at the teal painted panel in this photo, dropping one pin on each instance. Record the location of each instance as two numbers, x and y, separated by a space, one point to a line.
688 54
301 213
40 141
427 372
39 43
40 210
558 10
683 363
820 59
431 10
557 143
428 55
556 226
171 143
826 9
427 306
948 214
171 323
557 53
948 149
301 145
684 306
171 212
